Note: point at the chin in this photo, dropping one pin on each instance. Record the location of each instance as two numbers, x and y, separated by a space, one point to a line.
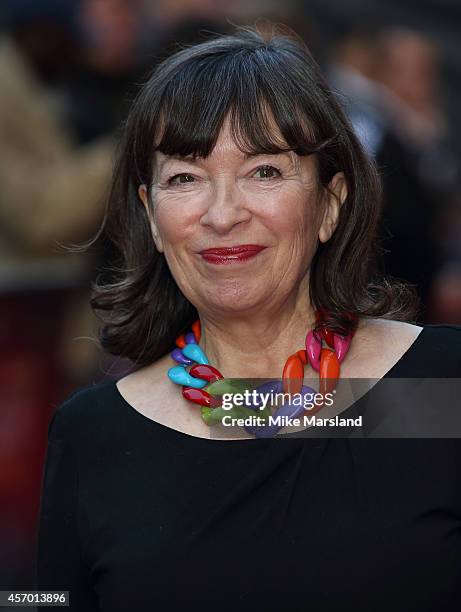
234 298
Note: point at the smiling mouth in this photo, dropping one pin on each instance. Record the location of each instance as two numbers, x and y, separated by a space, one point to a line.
231 254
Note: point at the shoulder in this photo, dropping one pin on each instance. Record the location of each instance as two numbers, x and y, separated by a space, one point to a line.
427 351
432 350
449 334
442 345
85 406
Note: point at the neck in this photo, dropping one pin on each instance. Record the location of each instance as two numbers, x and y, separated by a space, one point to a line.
256 346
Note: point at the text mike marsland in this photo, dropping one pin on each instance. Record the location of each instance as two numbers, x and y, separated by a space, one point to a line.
286 421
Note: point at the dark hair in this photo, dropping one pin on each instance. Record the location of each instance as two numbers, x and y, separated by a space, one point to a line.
180 110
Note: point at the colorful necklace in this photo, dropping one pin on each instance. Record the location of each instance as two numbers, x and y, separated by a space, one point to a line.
203 384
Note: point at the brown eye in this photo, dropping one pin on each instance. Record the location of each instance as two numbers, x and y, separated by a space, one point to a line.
188 179
268 172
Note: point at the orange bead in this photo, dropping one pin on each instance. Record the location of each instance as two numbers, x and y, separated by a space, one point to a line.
329 371
181 341
197 329
318 406
293 375
302 355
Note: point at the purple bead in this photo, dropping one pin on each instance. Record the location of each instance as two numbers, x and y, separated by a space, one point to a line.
190 338
177 355
272 386
292 411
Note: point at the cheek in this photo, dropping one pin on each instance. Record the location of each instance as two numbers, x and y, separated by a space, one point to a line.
174 223
292 213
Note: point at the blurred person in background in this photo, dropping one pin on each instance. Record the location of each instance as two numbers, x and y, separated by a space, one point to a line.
171 24
175 23
106 67
387 80
408 67
51 192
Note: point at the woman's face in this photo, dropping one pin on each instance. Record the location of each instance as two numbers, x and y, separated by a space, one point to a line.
229 199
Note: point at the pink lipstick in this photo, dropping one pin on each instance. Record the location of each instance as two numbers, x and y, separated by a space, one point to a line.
226 255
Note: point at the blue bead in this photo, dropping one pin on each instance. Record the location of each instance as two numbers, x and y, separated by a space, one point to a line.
190 338
177 355
194 352
180 376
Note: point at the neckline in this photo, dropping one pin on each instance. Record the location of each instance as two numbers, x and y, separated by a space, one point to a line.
156 424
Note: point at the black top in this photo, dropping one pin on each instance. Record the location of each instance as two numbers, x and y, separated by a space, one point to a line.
138 516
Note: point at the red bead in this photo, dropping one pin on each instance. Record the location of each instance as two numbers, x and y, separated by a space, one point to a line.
199 396
196 328
329 371
205 372
321 313
328 336
181 341
293 375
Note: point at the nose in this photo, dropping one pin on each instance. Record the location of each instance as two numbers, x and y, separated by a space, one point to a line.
226 208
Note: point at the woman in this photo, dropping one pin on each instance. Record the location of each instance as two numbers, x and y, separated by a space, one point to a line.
238 141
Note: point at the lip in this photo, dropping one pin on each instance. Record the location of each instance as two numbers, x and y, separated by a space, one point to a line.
225 255
240 248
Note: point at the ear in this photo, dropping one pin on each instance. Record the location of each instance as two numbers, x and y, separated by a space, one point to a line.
335 196
143 196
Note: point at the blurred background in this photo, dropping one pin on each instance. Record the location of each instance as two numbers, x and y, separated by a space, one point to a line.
68 71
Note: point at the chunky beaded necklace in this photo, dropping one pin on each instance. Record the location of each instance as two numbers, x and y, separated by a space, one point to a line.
203 384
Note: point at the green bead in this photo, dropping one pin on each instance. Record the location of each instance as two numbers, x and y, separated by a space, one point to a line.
213 416
264 413
206 414
229 385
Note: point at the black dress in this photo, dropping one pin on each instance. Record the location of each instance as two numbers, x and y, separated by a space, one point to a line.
137 516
